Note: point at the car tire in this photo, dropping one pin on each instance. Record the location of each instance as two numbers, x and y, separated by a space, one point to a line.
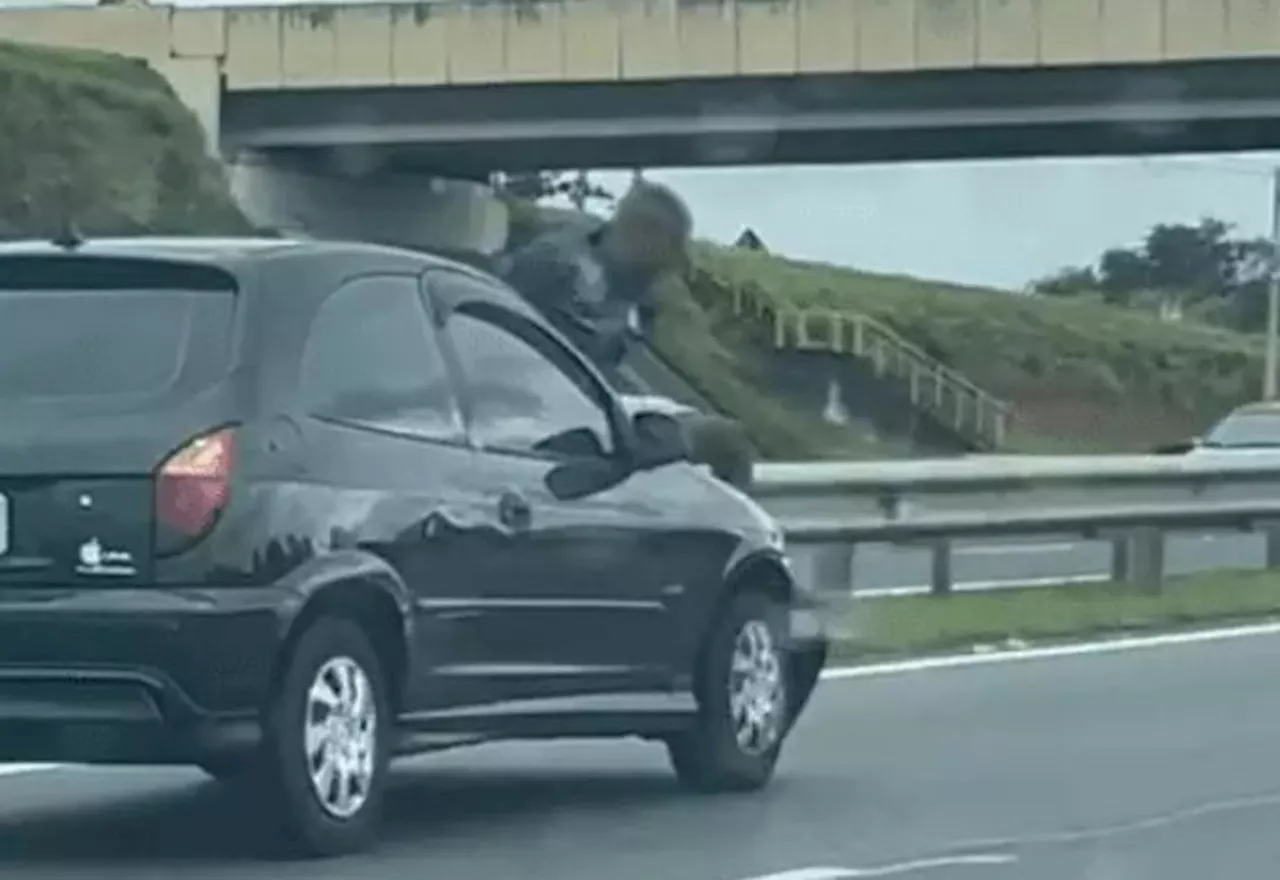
315 821
719 753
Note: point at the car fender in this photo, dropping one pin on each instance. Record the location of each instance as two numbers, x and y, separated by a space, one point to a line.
809 652
310 581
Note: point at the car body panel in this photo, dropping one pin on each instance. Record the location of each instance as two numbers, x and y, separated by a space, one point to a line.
583 621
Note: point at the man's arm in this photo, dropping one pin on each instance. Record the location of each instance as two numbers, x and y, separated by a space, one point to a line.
541 274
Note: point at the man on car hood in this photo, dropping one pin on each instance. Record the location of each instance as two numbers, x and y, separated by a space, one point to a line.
590 280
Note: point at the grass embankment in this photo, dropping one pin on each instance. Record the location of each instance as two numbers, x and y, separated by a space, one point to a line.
906 625
1082 376
710 349
103 140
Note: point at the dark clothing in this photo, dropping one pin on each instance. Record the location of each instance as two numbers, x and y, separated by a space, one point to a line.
562 274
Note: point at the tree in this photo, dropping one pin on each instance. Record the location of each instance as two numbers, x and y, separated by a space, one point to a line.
581 190
1194 259
537 185
1253 262
1201 266
1070 281
533 185
1122 273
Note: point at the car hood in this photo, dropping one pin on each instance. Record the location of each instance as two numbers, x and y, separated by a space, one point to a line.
738 511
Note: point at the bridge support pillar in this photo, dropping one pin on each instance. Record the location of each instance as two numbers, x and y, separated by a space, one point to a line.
408 210
198 83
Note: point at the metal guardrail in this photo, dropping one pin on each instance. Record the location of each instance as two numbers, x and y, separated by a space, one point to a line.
828 509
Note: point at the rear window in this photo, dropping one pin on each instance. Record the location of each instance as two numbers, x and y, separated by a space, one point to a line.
92 343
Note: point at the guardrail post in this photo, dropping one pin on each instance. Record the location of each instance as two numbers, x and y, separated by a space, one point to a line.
831 569
1148 559
940 580
1272 534
1121 559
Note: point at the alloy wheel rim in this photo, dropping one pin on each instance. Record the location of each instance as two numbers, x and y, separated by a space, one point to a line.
757 691
340 732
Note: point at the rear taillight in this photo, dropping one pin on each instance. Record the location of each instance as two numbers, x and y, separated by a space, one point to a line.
192 487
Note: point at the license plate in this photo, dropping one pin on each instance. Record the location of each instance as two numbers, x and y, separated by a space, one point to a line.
4 524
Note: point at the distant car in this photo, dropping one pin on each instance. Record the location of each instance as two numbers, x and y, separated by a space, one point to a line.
1253 426
285 510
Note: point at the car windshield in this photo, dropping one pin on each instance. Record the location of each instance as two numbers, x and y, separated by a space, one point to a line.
1246 430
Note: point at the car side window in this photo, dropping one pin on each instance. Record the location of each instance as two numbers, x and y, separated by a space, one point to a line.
527 394
372 359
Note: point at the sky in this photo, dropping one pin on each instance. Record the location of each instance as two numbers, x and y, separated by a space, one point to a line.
1000 224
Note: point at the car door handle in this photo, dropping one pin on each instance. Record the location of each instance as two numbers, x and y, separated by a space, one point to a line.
514 510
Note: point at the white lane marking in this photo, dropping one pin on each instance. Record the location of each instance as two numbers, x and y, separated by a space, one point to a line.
1021 549
983 586
1075 649
1141 825
805 874
15 769
893 869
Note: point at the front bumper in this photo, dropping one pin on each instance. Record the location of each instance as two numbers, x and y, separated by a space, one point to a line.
809 642
134 675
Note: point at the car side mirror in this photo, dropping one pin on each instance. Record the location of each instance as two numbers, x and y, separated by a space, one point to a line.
575 443
578 478
659 440
1178 447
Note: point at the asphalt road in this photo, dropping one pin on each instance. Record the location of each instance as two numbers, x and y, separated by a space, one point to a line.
1127 766
991 565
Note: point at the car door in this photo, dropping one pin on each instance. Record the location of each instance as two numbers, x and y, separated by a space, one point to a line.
570 603
384 443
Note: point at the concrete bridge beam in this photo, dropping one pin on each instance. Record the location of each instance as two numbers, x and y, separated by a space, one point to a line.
408 210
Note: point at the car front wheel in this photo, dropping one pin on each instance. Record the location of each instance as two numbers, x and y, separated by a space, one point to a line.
743 701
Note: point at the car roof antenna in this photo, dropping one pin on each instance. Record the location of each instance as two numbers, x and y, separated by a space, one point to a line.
68 237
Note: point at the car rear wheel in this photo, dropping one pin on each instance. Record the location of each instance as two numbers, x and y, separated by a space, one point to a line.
326 752
743 701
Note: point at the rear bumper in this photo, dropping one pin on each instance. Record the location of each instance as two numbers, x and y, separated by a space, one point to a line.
136 676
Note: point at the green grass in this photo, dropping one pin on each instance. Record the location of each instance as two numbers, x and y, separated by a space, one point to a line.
905 625
1082 376
707 346
102 139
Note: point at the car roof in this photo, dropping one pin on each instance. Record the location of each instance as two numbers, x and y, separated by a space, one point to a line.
239 254
228 251
1258 407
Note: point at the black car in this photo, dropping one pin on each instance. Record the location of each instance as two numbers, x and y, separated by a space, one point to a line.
287 509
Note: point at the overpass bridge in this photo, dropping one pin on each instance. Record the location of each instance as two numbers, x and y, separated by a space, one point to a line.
389 116
383 121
